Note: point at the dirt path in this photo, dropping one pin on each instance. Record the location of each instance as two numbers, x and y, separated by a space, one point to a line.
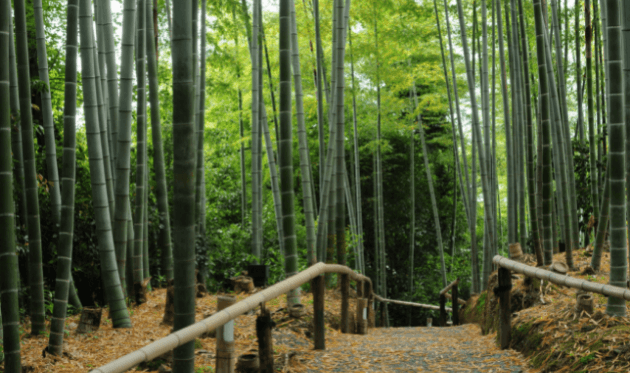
455 349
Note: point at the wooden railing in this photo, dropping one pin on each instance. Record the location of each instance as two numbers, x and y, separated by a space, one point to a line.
506 266
452 287
365 297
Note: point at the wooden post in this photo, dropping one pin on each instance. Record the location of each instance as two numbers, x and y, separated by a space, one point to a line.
367 290
359 289
505 316
455 305
225 339
442 310
264 324
319 287
361 316
345 303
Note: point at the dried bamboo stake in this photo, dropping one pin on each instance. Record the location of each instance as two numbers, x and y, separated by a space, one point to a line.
225 339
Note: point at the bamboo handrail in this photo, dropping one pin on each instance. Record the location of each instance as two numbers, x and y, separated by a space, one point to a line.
412 304
449 287
459 300
575 283
182 336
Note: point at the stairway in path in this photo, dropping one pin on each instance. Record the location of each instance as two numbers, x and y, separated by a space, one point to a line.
455 349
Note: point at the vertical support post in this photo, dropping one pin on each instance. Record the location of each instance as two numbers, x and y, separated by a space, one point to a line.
367 290
359 289
345 303
264 323
361 316
442 310
455 297
505 316
319 287
225 339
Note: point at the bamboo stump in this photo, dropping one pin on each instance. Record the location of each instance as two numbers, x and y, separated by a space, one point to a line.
225 339
264 324
585 303
505 315
516 253
248 363
297 311
90 320
319 287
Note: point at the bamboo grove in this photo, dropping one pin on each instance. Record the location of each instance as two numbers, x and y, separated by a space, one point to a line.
197 137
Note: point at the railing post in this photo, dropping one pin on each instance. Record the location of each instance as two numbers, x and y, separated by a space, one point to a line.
361 316
225 339
367 290
442 310
345 303
264 323
455 306
505 316
319 287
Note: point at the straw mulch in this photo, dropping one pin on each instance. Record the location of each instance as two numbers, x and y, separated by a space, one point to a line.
547 328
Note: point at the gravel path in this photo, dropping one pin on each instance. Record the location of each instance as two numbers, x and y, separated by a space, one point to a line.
455 349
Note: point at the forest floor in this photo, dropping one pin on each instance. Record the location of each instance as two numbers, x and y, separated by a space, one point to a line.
458 349
548 330
547 334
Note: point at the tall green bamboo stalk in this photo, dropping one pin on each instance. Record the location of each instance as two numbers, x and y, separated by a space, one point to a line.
49 128
161 192
511 188
591 109
200 200
16 135
122 215
561 140
35 271
68 178
357 166
286 149
9 306
626 75
141 148
486 187
427 169
256 135
546 134
466 190
617 156
104 137
109 269
530 150
305 164
184 181
379 181
578 70
109 50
